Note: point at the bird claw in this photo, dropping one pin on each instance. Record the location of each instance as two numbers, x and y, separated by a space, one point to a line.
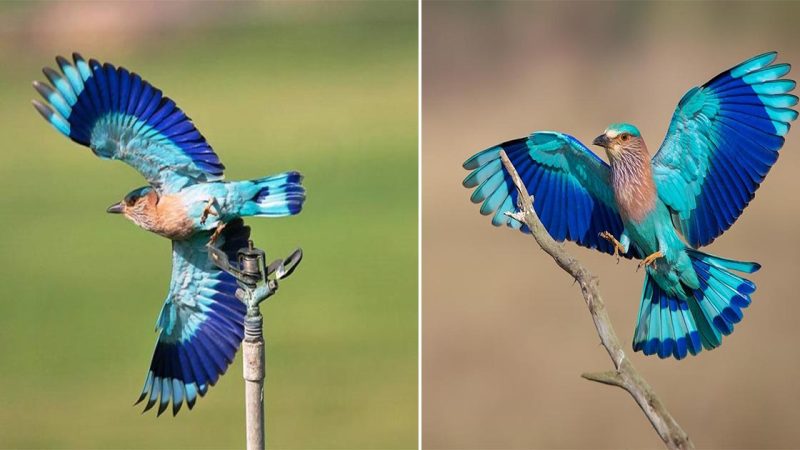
618 248
208 210
650 260
217 232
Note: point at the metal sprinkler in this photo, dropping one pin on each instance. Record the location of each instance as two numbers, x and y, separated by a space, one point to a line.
257 282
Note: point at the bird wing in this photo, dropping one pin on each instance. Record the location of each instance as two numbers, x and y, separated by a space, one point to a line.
201 324
120 116
570 185
723 139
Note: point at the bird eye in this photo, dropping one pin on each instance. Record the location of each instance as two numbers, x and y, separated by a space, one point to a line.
625 137
130 201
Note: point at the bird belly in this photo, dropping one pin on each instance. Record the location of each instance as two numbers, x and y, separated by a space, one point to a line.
656 233
642 234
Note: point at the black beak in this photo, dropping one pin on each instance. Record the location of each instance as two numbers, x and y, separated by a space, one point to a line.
601 140
116 208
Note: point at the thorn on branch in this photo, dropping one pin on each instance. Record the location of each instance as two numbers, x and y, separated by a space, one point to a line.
611 377
517 215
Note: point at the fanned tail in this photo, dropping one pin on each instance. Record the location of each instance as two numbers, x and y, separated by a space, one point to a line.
275 196
669 326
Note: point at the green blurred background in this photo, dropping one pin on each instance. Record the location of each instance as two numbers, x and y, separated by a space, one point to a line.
327 88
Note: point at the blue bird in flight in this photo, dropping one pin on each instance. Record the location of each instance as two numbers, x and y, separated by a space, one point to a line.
723 139
120 116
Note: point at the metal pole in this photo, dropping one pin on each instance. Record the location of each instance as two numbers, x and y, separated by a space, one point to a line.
257 282
253 358
254 364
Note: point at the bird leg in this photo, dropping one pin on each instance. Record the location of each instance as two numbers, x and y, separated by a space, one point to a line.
650 259
619 249
216 234
210 209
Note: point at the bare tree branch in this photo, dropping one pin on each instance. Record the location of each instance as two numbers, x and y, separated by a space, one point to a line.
625 375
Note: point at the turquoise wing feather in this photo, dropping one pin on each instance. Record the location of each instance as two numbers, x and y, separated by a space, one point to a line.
120 116
570 185
201 324
723 139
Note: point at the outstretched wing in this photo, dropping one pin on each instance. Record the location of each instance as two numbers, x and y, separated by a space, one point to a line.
570 185
201 324
723 139
120 116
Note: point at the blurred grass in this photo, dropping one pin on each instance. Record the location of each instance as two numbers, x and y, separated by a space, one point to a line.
336 100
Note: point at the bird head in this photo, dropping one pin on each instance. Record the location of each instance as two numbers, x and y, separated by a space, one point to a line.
136 205
620 139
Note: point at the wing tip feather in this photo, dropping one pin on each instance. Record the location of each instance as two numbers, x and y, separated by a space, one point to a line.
43 109
61 61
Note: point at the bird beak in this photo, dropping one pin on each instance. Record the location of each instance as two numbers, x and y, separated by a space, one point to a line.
601 140
116 208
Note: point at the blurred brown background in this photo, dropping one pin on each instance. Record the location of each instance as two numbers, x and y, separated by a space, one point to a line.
506 334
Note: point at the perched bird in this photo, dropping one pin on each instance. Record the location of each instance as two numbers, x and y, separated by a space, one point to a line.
120 116
723 139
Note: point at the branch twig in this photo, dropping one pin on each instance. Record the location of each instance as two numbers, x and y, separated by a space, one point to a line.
625 375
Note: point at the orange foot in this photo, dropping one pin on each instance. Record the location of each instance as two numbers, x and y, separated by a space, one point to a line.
618 248
650 260
216 234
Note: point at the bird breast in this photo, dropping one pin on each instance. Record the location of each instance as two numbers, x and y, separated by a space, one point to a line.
634 189
171 219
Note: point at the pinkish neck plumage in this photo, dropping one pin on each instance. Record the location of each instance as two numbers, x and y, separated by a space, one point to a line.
632 180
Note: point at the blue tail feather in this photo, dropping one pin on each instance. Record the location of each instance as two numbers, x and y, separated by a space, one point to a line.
275 196
669 326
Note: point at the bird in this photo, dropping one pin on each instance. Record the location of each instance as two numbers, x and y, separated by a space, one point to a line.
120 116
723 138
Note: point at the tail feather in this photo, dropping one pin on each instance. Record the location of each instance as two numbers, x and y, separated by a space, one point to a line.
276 196
710 337
665 326
724 263
669 326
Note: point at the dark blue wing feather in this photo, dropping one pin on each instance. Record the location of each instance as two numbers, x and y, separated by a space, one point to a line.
200 326
722 142
569 183
120 116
